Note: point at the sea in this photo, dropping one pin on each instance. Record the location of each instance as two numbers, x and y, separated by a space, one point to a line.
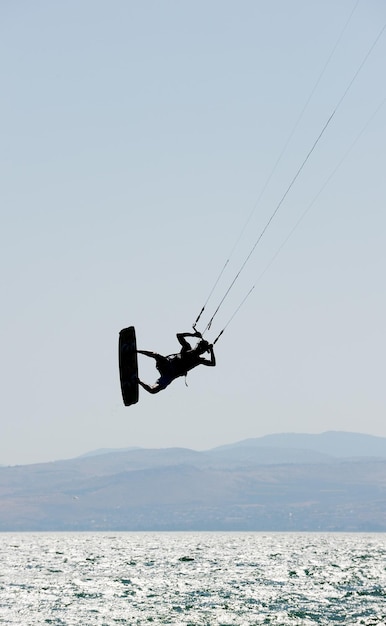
192 579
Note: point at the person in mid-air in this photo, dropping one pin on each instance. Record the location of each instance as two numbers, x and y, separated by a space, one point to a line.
174 365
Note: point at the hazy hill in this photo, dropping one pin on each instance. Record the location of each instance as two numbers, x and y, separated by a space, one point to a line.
279 482
334 443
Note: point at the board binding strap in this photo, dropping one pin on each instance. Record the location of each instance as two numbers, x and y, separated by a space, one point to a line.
128 365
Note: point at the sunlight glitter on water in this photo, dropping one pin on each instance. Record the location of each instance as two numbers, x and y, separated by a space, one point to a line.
193 579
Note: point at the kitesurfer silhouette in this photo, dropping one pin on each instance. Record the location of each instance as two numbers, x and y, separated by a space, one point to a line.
174 365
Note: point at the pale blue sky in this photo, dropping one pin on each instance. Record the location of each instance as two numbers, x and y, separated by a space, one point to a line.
136 138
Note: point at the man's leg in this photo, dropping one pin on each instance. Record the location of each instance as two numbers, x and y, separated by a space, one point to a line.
150 388
154 355
163 366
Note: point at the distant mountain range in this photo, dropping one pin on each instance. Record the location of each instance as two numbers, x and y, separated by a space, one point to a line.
333 443
334 481
338 444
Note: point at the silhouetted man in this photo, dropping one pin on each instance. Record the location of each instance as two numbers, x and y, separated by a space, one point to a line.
175 365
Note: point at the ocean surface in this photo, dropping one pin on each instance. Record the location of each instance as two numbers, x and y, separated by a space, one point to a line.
192 579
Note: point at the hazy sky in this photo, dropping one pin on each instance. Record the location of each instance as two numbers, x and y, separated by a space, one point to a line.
136 138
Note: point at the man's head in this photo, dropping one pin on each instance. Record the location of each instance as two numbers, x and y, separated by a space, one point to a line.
202 346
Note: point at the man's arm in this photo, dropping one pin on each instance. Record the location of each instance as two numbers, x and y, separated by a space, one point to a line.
212 361
182 340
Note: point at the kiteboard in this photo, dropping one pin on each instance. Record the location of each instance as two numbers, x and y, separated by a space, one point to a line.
128 365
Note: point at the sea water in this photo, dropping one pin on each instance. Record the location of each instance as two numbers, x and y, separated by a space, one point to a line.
192 579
